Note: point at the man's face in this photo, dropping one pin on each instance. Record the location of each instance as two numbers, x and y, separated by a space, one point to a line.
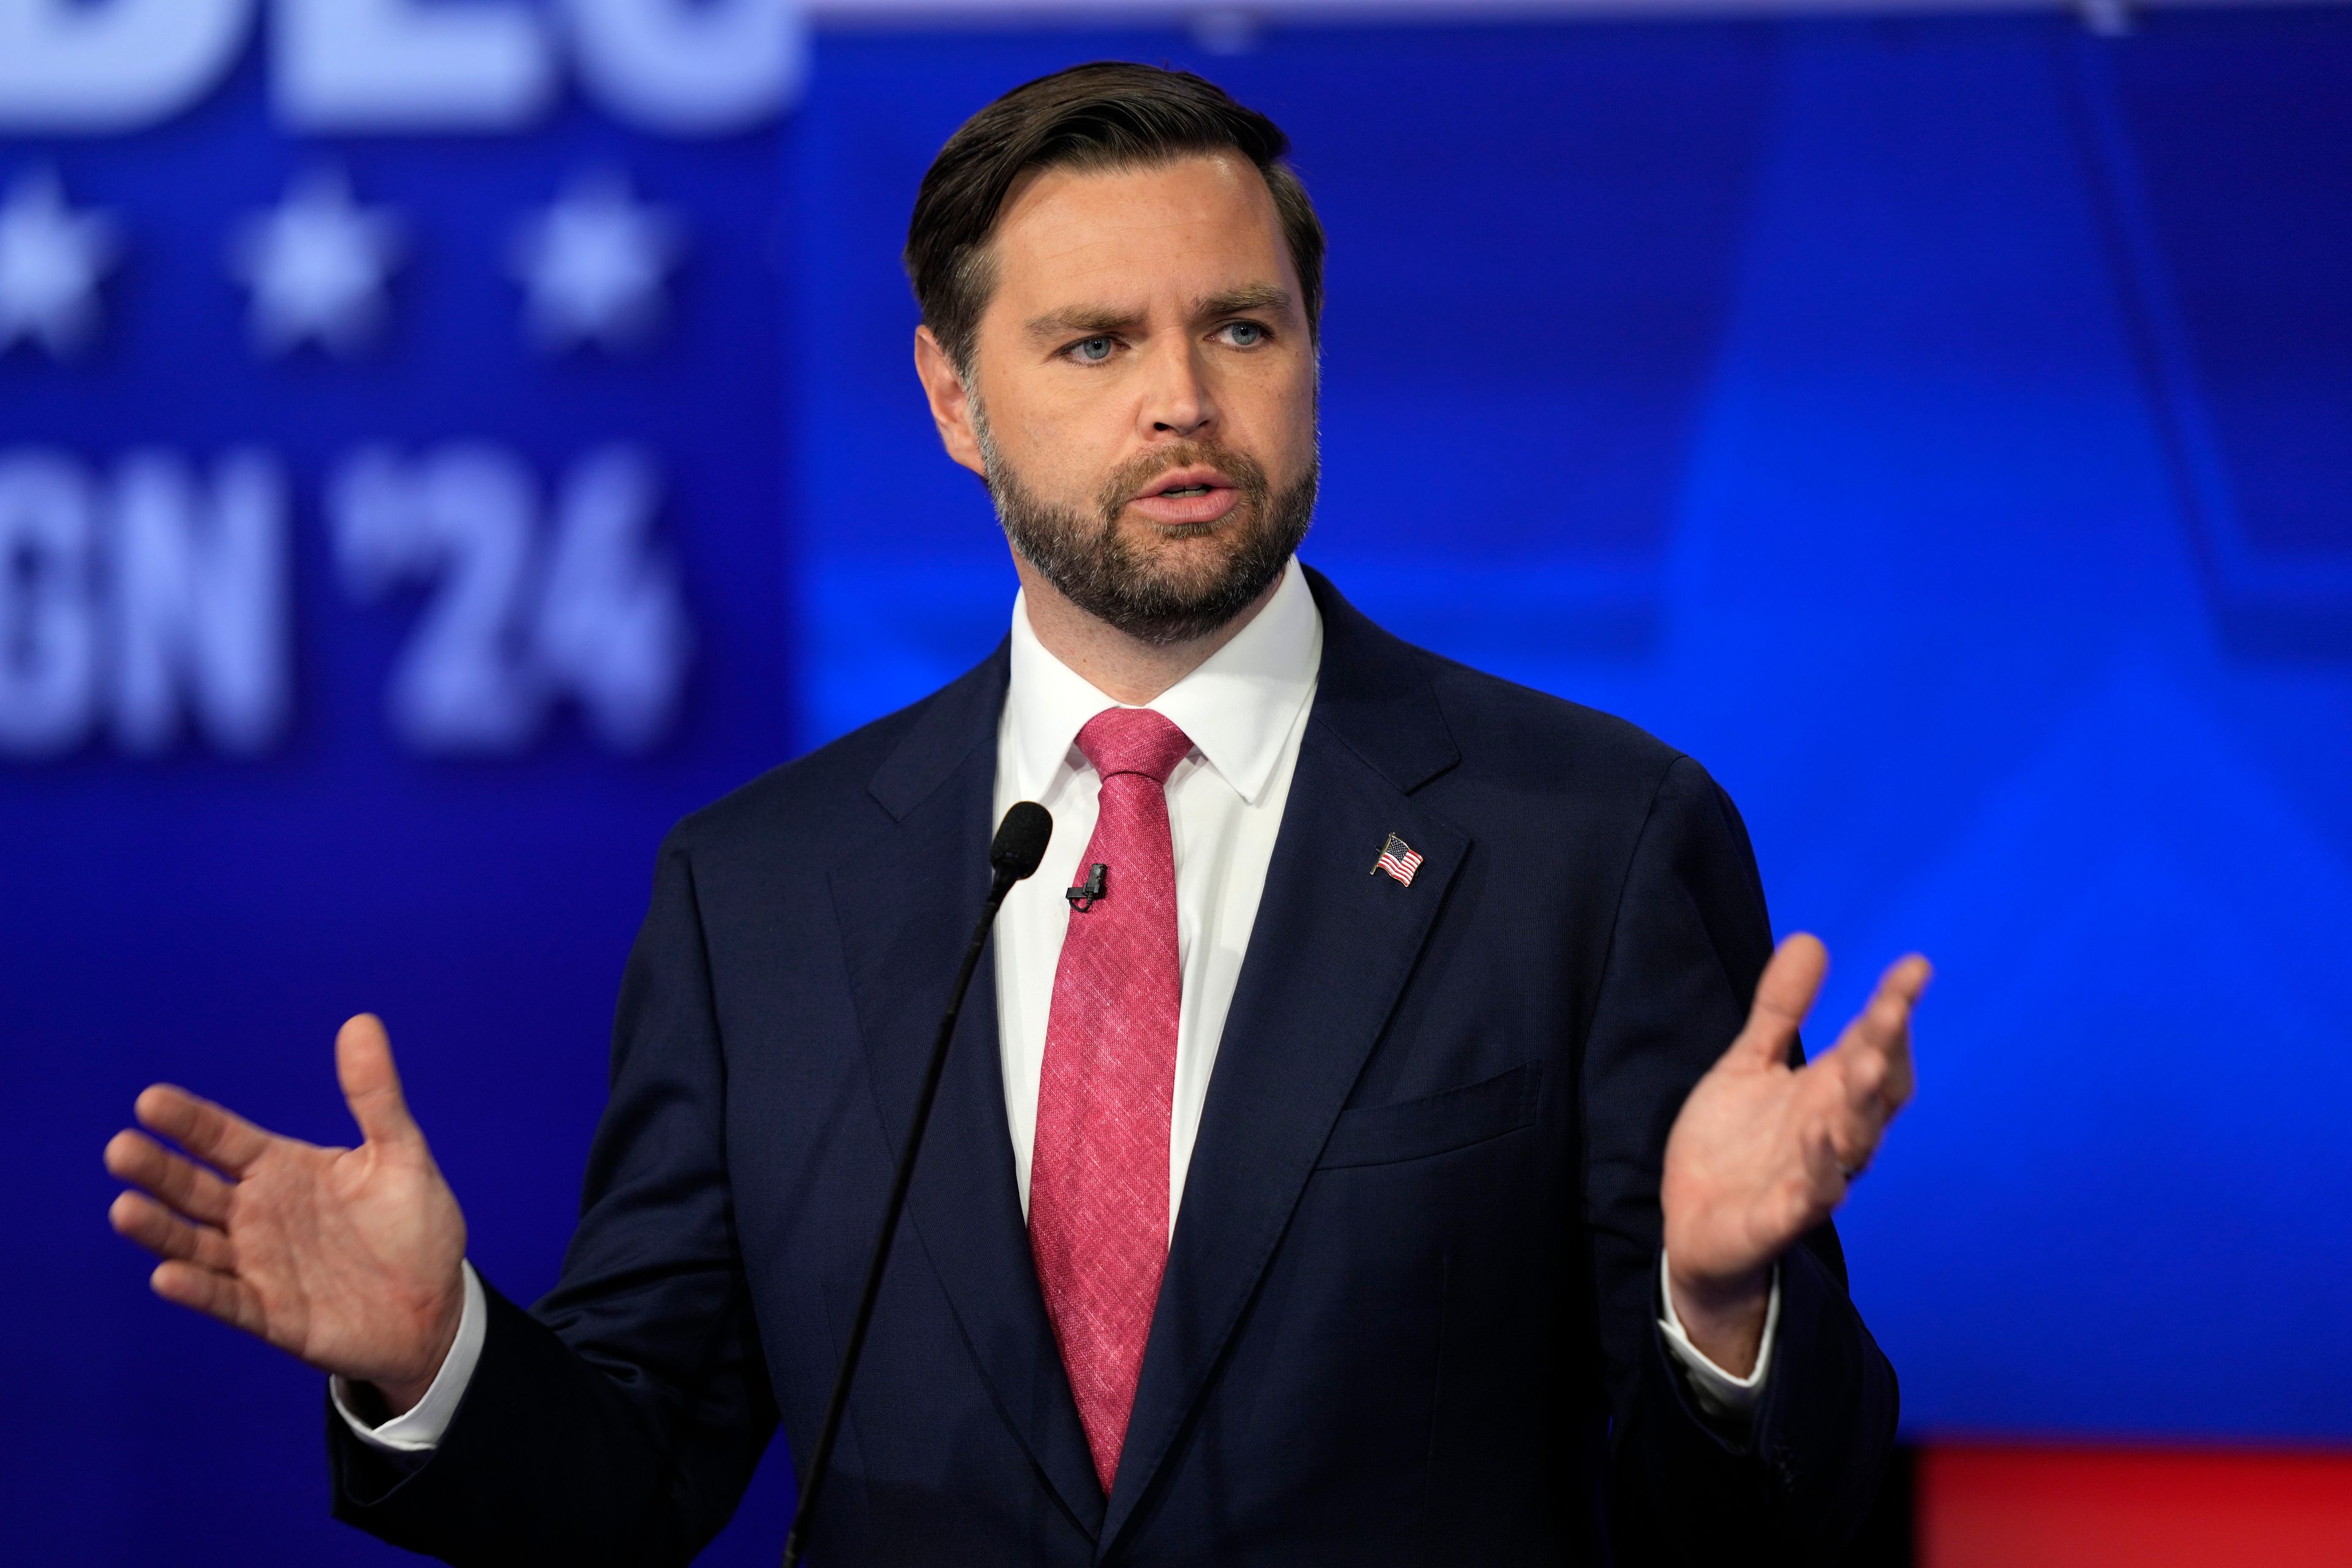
1141 396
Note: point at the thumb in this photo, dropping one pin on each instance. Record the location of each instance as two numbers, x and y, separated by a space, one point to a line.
370 1083
1783 996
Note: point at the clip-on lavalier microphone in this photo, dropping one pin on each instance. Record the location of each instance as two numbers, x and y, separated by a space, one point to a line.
1082 897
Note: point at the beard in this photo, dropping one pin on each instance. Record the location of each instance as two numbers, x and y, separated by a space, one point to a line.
1156 601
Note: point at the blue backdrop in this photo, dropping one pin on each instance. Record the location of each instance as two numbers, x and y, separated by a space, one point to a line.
1942 428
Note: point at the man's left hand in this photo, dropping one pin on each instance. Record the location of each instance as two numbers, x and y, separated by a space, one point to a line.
1763 1152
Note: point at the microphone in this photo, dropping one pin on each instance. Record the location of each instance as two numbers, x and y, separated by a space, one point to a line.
1086 894
1019 846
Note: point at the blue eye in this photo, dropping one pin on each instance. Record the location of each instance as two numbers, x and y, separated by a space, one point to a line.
1247 335
1091 351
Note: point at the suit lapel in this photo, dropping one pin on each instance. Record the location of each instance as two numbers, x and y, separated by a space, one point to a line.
1328 958
906 905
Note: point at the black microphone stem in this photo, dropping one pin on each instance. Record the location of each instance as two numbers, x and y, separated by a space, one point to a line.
834 1406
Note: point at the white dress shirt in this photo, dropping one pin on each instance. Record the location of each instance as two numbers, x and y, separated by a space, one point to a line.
1245 710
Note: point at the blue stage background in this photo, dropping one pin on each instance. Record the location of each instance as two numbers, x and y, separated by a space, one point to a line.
1941 428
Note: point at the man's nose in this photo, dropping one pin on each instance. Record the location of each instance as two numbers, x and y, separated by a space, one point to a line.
1176 401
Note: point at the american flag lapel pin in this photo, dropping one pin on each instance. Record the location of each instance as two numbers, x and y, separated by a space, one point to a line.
1399 859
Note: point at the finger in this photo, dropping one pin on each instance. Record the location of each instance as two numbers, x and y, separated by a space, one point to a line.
213 1134
1820 1179
209 1291
1865 1081
1839 1138
1847 1104
1877 1044
1853 1131
135 1158
140 1219
370 1083
1784 995
1906 979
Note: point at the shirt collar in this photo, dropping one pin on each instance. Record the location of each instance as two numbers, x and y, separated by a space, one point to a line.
1238 707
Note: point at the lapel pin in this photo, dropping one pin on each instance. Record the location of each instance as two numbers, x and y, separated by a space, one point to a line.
1399 859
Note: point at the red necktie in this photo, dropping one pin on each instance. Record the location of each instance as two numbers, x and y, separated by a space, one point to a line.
1098 1170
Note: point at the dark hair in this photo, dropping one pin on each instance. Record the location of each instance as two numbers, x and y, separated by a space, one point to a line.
1107 115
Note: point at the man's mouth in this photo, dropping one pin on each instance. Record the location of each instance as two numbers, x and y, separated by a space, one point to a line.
1188 496
1193 479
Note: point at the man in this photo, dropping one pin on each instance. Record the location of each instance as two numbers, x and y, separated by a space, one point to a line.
1356 1153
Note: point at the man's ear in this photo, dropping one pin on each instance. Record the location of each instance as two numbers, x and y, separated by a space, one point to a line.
951 403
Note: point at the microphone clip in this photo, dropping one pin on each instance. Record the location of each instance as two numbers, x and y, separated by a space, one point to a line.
1082 897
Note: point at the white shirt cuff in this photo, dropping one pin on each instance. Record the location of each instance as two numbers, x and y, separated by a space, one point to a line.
418 1430
1718 1392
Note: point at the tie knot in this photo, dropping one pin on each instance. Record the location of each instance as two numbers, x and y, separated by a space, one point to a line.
1133 740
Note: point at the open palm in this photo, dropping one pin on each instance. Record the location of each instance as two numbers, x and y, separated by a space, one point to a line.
350 1258
1763 1152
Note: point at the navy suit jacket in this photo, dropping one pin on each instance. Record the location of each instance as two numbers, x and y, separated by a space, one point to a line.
1410 1308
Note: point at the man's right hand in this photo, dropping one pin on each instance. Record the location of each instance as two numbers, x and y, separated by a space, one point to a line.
350 1258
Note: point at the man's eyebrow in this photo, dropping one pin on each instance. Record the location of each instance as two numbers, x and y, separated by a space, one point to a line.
1250 296
1087 320
1084 321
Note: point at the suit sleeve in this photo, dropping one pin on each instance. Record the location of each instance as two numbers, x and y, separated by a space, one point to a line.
1691 938
619 1420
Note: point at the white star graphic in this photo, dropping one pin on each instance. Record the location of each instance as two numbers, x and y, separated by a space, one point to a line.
51 258
316 264
593 265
